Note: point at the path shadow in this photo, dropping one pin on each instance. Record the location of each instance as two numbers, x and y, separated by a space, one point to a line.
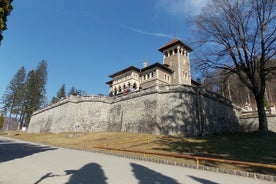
202 181
10 150
148 176
90 173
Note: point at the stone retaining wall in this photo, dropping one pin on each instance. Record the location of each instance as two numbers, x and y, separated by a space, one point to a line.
171 109
250 124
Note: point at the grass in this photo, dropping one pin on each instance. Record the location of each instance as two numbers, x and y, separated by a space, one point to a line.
249 147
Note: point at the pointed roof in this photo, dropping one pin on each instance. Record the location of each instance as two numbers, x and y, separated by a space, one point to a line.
173 43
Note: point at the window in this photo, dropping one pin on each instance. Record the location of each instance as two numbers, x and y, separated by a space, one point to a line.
186 75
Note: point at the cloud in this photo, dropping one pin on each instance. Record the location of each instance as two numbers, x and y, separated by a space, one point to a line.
146 32
181 7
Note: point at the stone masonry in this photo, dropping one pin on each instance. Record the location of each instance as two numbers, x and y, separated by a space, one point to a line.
169 109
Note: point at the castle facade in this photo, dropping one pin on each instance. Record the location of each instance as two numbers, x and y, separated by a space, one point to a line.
175 69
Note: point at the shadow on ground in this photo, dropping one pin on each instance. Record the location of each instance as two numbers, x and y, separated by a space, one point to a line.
89 173
10 150
249 147
148 176
202 180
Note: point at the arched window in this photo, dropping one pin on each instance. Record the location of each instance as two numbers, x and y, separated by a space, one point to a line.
124 86
120 89
171 52
175 50
134 85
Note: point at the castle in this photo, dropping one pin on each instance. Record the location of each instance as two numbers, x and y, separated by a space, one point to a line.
174 70
162 99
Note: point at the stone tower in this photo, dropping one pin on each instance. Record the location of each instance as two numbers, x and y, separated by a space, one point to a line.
176 57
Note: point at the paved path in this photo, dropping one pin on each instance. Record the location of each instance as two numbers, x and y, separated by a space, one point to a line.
25 163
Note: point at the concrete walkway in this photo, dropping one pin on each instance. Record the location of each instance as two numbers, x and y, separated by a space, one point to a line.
26 163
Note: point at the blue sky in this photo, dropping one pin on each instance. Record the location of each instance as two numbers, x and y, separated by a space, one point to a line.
85 41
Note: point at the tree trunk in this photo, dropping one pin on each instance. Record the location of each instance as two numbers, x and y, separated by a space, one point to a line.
263 126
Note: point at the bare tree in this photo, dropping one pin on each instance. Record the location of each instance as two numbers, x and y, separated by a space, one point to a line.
238 36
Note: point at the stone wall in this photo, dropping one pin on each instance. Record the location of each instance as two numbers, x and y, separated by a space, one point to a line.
10 124
170 109
72 114
251 123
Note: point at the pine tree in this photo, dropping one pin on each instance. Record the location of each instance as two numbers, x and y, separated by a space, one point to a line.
76 92
73 91
62 92
14 94
54 100
35 90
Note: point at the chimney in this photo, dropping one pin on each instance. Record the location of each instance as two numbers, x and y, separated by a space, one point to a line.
145 64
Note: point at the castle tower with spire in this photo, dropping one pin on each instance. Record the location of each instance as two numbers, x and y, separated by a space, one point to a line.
176 57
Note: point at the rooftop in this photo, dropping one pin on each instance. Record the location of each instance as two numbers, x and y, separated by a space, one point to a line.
173 43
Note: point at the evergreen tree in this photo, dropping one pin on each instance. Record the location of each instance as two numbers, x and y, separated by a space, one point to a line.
73 91
5 9
14 94
62 92
76 92
35 90
54 100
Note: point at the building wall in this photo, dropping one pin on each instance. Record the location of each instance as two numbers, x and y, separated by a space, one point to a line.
179 61
130 77
171 109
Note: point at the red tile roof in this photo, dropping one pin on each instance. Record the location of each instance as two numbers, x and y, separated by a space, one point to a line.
173 43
